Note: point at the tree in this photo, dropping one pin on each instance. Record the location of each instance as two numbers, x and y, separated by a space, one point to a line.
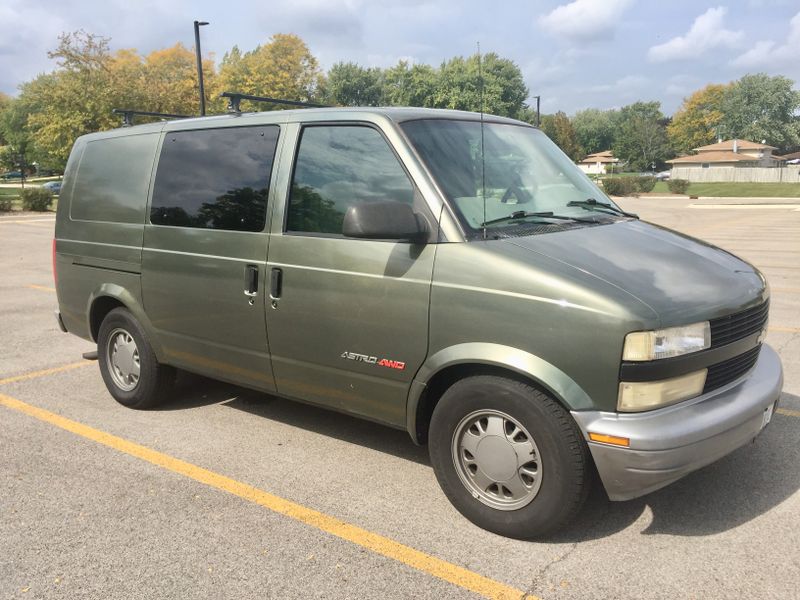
349 84
75 99
595 129
5 102
697 122
409 85
283 68
641 139
461 83
759 107
170 80
559 129
566 138
90 81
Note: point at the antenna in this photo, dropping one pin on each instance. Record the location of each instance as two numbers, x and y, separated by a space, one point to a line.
483 159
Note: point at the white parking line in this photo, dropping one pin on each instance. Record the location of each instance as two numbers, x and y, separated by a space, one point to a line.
794 207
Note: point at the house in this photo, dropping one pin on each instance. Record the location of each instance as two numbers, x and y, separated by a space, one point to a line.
598 163
790 159
730 153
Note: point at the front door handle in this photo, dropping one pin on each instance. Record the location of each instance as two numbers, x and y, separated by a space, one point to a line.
275 283
251 281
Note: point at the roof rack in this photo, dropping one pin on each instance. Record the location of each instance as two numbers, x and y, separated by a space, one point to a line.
128 115
235 98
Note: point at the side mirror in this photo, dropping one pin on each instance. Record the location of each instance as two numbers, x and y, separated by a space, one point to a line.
384 221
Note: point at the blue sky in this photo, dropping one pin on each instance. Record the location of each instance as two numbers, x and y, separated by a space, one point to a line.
579 54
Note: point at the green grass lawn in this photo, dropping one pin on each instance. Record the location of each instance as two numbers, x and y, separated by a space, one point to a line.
744 190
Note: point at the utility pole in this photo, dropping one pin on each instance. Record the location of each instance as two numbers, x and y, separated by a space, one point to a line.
197 25
538 112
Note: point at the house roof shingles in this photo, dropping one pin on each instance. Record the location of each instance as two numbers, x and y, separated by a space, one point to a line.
606 156
728 145
712 157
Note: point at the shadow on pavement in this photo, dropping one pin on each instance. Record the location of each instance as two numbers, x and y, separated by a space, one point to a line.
733 491
194 391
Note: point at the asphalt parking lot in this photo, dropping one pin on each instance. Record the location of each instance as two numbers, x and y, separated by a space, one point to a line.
226 493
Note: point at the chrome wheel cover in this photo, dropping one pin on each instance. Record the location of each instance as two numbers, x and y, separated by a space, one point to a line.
122 358
497 459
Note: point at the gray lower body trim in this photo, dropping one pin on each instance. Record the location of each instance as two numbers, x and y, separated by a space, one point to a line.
668 443
61 325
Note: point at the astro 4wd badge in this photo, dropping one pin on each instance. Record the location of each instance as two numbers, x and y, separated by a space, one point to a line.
374 360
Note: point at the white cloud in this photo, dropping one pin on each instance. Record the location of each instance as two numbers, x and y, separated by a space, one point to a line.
585 19
768 53
706 33
625 87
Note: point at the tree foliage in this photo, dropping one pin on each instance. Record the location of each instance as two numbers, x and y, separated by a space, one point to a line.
282 68
759 107
697 122
558 128
5 103
349 84
489 82
409 85
641 138
595 129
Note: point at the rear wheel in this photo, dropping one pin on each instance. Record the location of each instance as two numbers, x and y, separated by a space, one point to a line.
508 456
129 367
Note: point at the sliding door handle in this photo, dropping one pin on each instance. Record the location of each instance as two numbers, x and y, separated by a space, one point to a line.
275 283
251 281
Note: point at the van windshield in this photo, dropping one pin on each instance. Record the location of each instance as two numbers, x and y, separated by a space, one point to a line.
530 185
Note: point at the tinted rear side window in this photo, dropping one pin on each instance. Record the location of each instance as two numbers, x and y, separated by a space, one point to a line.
215 178
112 179
338 166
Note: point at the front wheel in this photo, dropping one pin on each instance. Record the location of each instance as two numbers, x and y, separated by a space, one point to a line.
129 367
508 456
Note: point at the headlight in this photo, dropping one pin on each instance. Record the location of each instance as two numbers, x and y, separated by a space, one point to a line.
666 343
646 395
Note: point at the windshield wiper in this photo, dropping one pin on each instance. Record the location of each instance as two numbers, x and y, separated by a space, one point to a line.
521 214
592 204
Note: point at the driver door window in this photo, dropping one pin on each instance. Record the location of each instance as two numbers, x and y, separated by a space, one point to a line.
338 166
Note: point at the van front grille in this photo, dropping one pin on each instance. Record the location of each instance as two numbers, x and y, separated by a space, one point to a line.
730 328
729 370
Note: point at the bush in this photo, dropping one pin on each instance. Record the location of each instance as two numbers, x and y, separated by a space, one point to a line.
5 204
678 186
645 184
619 186
37 199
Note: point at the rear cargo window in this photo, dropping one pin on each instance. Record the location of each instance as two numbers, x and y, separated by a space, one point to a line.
112 179
215 178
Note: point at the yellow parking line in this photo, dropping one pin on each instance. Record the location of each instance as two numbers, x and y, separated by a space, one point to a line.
379 544
784 329
43 372
788 412
41 288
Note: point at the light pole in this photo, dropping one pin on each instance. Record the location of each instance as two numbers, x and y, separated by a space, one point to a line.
197 25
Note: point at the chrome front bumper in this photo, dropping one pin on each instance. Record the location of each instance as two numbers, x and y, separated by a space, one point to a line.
668 443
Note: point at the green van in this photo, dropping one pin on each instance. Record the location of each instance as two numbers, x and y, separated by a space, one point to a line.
447 273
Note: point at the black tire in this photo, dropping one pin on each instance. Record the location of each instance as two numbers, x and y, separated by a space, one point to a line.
562 452
155 380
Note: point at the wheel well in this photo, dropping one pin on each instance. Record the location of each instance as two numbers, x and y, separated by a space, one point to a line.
442 380
100 308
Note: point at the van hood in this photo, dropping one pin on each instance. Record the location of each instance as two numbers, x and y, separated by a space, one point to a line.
682 279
